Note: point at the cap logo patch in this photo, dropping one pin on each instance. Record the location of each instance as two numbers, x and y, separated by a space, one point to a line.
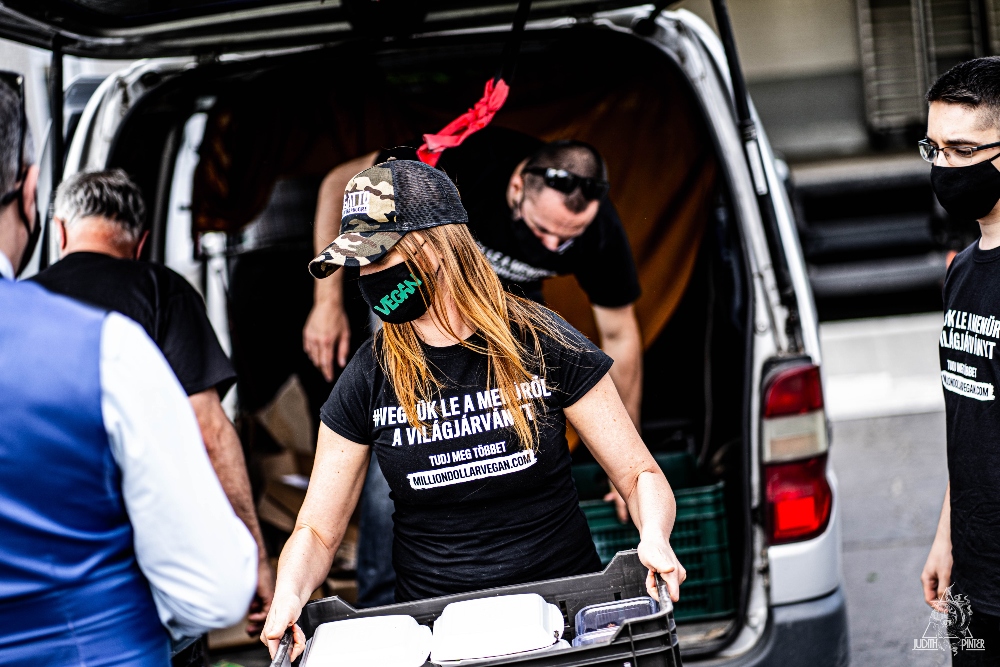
356 202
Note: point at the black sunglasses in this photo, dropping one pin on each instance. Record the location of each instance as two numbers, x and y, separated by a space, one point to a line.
16 82
566 182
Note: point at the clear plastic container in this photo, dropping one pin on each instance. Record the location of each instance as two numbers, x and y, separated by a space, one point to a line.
610 615
595 637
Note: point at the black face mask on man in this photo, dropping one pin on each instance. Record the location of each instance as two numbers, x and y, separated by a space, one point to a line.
967 193
394 294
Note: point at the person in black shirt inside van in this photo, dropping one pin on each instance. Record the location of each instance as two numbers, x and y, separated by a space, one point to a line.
464 396
963 144
99 220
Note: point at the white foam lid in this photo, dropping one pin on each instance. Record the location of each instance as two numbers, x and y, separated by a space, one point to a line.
387 641
488 627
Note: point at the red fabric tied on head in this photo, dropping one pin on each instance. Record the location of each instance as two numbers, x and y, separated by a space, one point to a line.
473 120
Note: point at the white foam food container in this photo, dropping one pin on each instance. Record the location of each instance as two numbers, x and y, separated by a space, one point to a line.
496 626
386 641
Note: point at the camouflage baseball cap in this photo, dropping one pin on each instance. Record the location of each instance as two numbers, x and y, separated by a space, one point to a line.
382 204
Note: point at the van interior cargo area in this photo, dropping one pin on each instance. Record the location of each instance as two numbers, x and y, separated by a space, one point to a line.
276 125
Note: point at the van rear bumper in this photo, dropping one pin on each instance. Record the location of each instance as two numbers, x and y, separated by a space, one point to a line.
810 633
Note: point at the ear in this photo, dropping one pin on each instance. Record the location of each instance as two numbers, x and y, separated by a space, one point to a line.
61 233
141 244
516 185
29 198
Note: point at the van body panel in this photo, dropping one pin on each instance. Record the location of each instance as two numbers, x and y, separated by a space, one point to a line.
808 319
107 108
811 633
809 569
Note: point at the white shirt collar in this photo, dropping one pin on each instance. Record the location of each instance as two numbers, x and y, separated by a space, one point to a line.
6 268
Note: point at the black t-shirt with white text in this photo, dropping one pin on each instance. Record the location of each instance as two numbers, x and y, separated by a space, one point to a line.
970 371
600 258
160 300
474 509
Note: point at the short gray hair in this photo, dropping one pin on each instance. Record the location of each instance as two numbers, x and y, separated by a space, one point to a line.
108 194
10 134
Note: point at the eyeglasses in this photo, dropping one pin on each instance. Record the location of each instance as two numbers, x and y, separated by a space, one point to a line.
566 182
954 155
16 83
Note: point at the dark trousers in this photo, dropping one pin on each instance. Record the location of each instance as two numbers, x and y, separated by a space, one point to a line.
195 655
984 630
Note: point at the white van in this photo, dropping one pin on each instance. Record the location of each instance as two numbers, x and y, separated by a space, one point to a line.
237 97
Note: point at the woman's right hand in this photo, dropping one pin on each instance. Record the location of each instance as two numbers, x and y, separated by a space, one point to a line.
655 553
285 610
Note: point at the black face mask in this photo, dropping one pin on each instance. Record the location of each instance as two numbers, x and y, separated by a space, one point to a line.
394 294
967 193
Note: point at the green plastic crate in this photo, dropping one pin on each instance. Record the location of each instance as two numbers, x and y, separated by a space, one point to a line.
699 539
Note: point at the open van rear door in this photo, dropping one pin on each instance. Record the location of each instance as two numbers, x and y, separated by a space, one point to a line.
146 28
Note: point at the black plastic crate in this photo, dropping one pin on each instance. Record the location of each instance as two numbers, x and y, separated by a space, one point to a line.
645 642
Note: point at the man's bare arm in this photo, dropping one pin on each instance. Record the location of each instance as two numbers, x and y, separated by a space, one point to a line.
327 333
621 340
226 454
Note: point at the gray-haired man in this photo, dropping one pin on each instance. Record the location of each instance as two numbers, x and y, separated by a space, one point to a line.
115 528
99 219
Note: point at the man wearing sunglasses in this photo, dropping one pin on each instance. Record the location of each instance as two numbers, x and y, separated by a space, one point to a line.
115 530
963 145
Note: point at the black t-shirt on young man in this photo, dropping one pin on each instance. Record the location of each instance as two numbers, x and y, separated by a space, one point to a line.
475 509
970 371
160 300
600 258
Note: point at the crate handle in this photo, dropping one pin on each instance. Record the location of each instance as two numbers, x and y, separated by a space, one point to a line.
281 655
666 604
661 588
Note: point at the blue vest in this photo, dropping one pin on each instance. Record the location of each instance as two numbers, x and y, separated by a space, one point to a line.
71 592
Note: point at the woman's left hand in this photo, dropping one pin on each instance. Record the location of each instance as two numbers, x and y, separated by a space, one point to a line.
656 554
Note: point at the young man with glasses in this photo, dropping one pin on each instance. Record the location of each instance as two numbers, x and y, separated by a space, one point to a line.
116 534
537 210
963 144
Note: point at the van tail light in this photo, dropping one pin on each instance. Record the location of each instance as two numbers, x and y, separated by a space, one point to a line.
798 499
795 444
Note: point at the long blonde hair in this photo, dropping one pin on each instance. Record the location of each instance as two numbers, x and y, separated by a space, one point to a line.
512 360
